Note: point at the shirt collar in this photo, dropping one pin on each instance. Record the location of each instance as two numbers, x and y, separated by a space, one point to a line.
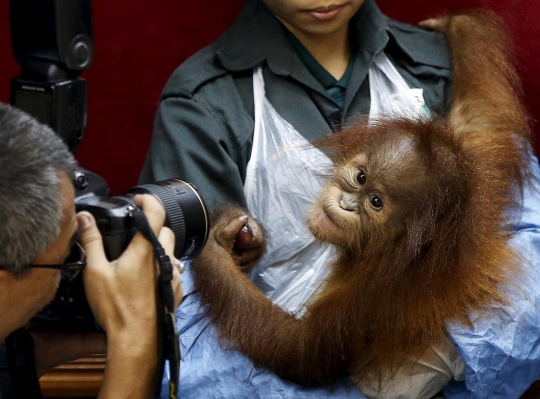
371 28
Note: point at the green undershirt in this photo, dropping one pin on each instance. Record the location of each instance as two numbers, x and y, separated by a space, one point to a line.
335 88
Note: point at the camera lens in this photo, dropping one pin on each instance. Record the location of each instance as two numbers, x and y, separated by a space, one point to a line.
186 214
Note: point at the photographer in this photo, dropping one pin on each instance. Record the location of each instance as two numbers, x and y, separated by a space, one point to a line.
39 226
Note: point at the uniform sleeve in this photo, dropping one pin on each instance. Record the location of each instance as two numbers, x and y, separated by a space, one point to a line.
190 142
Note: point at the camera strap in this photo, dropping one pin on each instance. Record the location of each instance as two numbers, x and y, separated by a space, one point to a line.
167 332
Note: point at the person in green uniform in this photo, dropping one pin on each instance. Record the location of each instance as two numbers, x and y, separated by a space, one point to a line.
315 67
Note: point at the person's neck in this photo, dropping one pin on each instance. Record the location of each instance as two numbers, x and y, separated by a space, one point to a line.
332 51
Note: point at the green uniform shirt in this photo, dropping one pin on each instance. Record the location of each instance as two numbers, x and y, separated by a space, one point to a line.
204 123
336 88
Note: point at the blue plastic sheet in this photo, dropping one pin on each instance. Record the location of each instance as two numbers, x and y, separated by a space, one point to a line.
501 351
209 370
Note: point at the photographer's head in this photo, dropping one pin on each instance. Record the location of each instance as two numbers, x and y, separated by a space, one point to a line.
34 165
37 216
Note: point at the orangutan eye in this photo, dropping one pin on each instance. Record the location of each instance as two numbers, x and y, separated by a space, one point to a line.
376 202
361 177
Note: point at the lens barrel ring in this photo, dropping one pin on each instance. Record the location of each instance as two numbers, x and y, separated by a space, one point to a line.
186 212
175 216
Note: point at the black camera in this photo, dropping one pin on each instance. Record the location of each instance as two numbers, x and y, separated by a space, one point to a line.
186 213
186 216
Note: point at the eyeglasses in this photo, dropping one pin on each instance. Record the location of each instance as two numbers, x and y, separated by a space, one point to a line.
74 264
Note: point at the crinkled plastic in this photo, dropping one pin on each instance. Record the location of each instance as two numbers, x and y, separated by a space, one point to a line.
501 351
391 95
283 181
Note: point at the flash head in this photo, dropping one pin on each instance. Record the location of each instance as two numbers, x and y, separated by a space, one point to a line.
52 42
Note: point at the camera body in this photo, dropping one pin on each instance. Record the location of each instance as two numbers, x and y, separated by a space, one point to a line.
186 215
185 210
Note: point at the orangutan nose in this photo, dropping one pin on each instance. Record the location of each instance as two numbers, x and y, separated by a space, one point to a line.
348 202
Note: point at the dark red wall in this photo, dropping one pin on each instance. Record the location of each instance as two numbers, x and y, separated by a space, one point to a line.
139 43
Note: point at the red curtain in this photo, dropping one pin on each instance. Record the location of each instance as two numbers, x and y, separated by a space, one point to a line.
138 44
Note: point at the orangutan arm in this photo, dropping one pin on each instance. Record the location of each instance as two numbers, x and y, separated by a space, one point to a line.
487 88
299 350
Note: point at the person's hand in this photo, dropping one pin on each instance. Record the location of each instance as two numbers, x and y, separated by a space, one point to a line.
121 295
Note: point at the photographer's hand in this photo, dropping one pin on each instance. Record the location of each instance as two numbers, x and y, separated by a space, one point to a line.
122 297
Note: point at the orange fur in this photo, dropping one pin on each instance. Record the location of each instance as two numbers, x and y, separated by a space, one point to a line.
438 250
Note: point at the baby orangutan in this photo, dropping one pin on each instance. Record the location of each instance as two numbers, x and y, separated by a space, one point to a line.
416 210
